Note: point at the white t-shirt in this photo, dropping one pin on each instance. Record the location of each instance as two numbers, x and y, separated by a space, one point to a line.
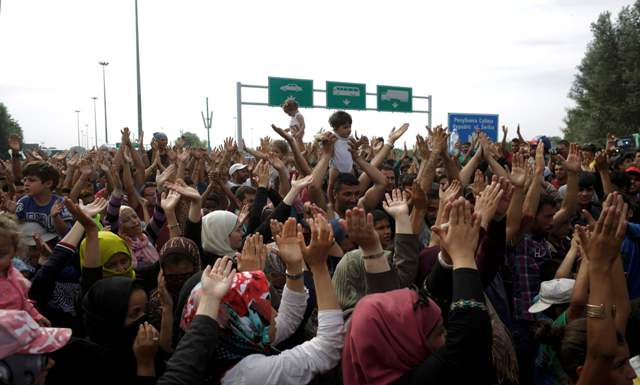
296 121
342 159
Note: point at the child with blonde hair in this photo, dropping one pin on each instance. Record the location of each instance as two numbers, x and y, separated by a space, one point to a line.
14 287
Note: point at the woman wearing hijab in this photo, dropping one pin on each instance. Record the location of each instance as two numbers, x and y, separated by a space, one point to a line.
120 345
218 233
179 260
249 330
397 337
115 260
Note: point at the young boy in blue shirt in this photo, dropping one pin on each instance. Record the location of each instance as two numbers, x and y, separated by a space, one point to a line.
39 204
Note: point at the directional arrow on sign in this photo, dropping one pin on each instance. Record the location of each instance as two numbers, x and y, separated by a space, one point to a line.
395 105
346 102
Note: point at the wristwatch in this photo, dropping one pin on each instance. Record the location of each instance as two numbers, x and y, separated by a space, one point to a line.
294 276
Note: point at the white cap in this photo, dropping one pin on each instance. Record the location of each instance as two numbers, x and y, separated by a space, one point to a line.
236 167
553 292
28 229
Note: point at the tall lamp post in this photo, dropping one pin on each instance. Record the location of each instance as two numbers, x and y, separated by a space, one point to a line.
138 75
95 120
104 99
78 116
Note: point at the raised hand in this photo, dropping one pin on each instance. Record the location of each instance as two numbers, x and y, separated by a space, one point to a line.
487 203
217 279
451 192
505 200
396 204
125 140
539 164
184 155
322 240
394 135
602 163
183 189
518 171
169 200
74 161
82 218
243 216
166 300
285 135
146 345
276 162
418 196
573 163
608 232
422 147
479 182
299 184
253 254
85 168
505 130
94 208
289 243
439 139
462 225
56 209
361 230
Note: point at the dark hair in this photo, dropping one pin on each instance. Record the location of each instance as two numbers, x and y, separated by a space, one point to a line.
586 180
345 178
379 215
588 147
620 179
339 119
569 342
407 179
242 192
44 171
546 200
564 142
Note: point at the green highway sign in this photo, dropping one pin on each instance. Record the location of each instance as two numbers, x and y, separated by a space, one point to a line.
346 96
282 88
397 99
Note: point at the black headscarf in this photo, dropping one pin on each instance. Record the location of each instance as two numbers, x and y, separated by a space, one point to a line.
105 308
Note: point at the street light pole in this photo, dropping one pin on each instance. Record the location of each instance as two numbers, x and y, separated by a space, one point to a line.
138 75
104 98
78 116
95 120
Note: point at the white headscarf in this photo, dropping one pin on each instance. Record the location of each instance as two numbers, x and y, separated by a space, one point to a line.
216 227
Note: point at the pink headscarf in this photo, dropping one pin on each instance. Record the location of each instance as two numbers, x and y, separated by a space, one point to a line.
387 337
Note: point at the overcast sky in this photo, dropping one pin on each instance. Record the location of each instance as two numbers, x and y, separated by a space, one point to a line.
512 58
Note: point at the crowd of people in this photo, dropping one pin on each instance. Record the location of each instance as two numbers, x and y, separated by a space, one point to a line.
321 259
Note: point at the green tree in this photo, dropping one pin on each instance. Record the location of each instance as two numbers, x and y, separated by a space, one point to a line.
8 126
192 140
606 88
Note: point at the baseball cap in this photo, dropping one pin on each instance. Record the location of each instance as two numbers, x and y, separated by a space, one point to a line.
632 170
236 167
553 292
20 334
28 229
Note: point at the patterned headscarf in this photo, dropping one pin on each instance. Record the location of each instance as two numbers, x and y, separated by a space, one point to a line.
245 316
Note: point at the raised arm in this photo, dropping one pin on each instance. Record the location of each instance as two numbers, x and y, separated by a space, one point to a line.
381 155
514 212
532 199
301 163
601 326
320 171
373 195
570 201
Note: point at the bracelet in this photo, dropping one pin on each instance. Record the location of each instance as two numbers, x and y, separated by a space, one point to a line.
443 263
598 311
373 256
294 277
468 304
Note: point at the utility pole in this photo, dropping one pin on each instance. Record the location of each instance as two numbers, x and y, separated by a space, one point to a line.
207 122
138 75
95 120
104 99
78 117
